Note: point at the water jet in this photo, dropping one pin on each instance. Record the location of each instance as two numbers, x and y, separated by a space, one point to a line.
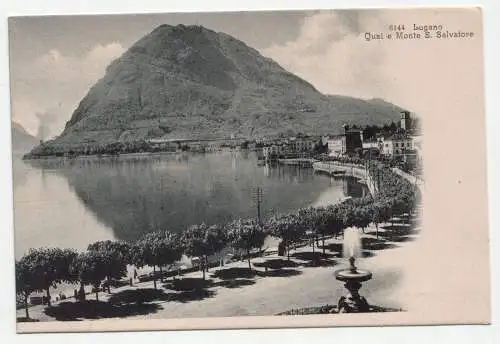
353 276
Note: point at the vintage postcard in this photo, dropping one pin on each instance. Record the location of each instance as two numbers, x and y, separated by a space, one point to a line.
249 170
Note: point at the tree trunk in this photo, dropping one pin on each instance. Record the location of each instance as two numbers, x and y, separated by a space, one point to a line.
161 274
203 268
323 241
206 263
97 294
288 250
154 276
48 298
109 285
26 305
376 227
82 292
313 243
248 256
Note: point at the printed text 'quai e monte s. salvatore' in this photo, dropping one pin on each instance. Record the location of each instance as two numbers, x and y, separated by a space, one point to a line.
417 32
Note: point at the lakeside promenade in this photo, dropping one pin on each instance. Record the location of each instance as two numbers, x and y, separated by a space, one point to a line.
358 171
232 291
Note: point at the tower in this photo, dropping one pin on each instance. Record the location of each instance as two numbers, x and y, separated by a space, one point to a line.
405 120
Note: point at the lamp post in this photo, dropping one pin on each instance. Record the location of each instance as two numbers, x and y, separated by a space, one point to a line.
258 201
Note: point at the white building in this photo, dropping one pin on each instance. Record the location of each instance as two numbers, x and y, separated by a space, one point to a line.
298 145
397 145
273 151
289 146
371 144
335 145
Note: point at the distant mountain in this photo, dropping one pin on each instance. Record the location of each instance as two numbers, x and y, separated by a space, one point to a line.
22 141
191 82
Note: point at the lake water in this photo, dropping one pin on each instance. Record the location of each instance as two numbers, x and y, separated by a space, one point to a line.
73 203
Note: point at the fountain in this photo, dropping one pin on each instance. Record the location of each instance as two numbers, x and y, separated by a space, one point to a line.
353 303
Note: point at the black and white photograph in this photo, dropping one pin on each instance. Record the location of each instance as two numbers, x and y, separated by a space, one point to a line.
178 168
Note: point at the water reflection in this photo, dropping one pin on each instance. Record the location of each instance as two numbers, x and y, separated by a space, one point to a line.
91 199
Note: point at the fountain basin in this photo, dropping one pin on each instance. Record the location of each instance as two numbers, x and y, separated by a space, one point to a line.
348 275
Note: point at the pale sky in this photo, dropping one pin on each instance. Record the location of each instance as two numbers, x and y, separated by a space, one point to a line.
55 60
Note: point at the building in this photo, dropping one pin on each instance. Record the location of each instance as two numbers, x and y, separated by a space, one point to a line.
353 140
417 143
165 144
347 143
397 145
324 140
300 145
213 146
405 121
273 151
335 144
289 147
372 144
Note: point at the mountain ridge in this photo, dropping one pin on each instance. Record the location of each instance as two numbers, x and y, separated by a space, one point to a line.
190 81
22 141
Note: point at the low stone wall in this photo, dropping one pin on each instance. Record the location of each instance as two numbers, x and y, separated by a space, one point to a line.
357 171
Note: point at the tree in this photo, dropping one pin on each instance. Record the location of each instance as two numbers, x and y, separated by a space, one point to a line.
334 221
170 250
217 239
362 216
288 228
48 267
157 248
92 268
117 255
379 214
323 221
320 148
348 215
246 234
24 283
320 222
197 241
393 127
307 218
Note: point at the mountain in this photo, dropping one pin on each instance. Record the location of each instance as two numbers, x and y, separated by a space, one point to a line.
22 141
191 82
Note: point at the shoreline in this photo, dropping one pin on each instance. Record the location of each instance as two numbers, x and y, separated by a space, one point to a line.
107 156
146 154
270 245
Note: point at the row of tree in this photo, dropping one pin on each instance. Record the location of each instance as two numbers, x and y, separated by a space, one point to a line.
372 131
49 149
106 261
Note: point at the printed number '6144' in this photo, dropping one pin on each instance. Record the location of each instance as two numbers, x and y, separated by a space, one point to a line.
396 27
